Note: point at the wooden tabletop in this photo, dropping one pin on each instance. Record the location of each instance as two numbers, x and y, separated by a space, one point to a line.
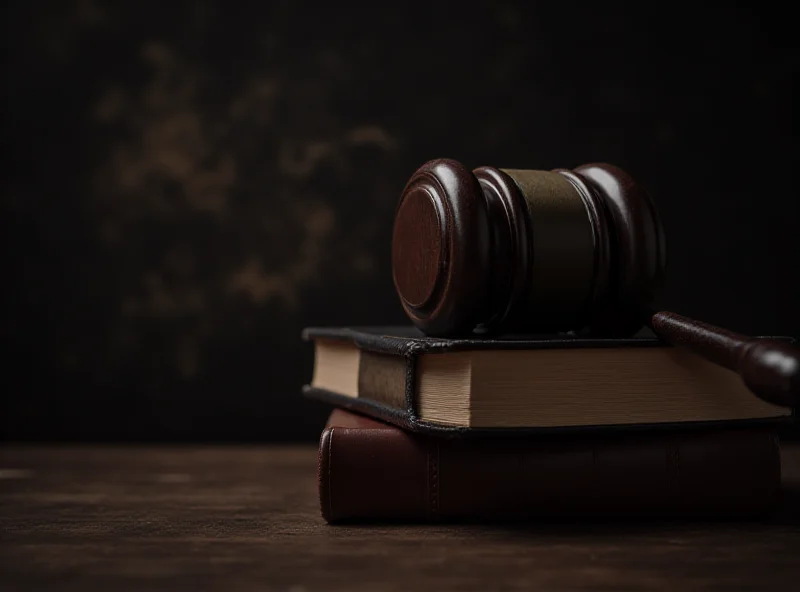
234 518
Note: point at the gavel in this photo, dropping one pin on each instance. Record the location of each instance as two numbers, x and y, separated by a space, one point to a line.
500 251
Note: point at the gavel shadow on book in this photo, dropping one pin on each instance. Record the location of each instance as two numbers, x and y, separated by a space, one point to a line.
499 251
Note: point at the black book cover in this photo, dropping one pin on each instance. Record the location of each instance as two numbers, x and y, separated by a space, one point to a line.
409 343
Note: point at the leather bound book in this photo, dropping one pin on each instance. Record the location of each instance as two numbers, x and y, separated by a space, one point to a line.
532 385
372 471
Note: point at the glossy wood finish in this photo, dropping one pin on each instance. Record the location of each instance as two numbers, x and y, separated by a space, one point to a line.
569 250
638 249
248 519
442 218
418 215
511 251
541 251
771 369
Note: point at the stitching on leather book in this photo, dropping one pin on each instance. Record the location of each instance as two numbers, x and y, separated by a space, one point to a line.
428 478
433 482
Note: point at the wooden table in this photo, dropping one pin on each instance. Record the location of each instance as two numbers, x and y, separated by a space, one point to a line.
233 518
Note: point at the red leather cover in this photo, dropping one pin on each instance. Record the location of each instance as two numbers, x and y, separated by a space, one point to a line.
371 471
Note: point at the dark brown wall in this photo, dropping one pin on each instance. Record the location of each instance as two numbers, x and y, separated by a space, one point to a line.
191 183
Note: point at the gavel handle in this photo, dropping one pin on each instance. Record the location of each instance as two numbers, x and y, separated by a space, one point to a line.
769 368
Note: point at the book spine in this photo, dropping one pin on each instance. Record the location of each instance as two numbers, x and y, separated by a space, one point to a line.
373 473
387 474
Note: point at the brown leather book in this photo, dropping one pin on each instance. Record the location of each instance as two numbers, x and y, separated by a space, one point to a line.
372 471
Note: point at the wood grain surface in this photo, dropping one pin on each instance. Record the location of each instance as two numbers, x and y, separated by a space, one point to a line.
216 518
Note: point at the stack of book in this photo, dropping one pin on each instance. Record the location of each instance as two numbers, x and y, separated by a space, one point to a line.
431 429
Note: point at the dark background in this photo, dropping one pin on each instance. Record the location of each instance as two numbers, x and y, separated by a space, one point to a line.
189 184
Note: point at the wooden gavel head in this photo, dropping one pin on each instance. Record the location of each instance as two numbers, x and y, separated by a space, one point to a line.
511 251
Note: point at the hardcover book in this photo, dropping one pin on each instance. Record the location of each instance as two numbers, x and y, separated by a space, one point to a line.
479 386
370 471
